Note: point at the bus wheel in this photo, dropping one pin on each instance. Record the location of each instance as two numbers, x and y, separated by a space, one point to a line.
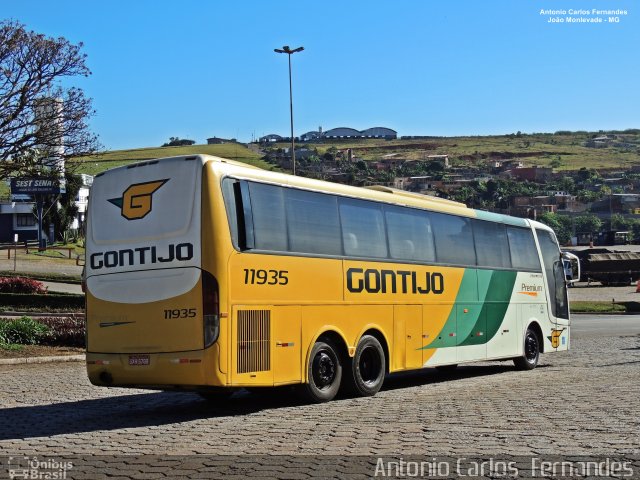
531 355
324 372
368 367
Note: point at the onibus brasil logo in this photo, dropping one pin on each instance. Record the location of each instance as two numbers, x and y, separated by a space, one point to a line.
136 201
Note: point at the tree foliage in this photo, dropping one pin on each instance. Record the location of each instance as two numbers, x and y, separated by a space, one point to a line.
64 209
38 115
561 225
588 223
178 142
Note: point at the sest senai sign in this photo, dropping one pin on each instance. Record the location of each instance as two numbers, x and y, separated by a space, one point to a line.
30 185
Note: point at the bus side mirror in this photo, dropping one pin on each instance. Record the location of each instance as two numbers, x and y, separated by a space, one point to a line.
571 264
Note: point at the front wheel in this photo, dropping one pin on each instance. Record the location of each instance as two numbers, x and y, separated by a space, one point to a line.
531 355
368 367
324 373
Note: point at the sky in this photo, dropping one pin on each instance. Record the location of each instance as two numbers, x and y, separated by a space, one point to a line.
196 69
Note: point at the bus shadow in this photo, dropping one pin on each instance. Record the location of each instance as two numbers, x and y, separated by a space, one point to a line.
114 413
430 376
164 408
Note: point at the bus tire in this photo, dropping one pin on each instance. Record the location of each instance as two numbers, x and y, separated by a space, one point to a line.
531 354
324 373
368 367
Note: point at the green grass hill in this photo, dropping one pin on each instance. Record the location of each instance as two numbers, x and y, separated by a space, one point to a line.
560 150
95 164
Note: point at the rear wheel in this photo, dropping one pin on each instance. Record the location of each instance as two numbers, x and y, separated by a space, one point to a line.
324 373
368 367
531 355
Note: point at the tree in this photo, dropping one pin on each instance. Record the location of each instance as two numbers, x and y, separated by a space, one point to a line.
63 216
561 225
618 222
589 223
178 142
38 115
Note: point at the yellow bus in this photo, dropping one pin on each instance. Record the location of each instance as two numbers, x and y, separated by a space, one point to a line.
209 275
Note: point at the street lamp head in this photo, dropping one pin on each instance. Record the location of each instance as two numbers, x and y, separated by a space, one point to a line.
288 50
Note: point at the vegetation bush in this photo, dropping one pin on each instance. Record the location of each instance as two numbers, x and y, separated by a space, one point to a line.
52 331
46 277
63 331
58 301
21 285
23 330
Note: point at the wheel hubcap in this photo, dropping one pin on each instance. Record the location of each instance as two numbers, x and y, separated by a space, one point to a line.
531 348
324 369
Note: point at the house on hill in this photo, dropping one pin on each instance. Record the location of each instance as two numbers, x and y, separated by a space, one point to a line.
531 174
271 138
217 141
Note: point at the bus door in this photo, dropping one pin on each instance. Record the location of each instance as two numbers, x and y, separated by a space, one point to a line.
407 323
471 324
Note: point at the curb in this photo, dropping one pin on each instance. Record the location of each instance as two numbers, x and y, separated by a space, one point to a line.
37 360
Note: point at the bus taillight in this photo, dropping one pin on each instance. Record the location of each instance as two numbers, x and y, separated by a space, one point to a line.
210 308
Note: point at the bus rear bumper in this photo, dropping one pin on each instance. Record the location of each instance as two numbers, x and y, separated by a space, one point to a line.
166 371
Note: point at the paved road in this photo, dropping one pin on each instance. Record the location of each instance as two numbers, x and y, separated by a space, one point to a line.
63 287
582 402
584 326
597 293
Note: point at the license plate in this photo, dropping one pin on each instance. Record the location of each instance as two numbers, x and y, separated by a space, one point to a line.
139 360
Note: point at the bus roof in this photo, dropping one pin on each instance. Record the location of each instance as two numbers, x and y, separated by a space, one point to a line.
375 192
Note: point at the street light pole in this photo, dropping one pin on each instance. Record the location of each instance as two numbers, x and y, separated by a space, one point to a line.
290 52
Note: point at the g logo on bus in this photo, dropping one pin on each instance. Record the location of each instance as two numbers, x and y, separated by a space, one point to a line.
136 201
555 337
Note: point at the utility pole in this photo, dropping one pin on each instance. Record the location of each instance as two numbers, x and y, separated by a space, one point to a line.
290 52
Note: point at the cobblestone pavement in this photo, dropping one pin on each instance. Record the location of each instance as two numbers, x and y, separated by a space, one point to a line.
582 402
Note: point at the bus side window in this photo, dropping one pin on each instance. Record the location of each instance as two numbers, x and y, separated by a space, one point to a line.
238 206
269 217
362 221
312 221
410 234
454 239
524 255
492 248
230 204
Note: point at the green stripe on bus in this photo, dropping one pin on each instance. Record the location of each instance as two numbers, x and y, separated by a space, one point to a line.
494 307
467 292
494 289
496 217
